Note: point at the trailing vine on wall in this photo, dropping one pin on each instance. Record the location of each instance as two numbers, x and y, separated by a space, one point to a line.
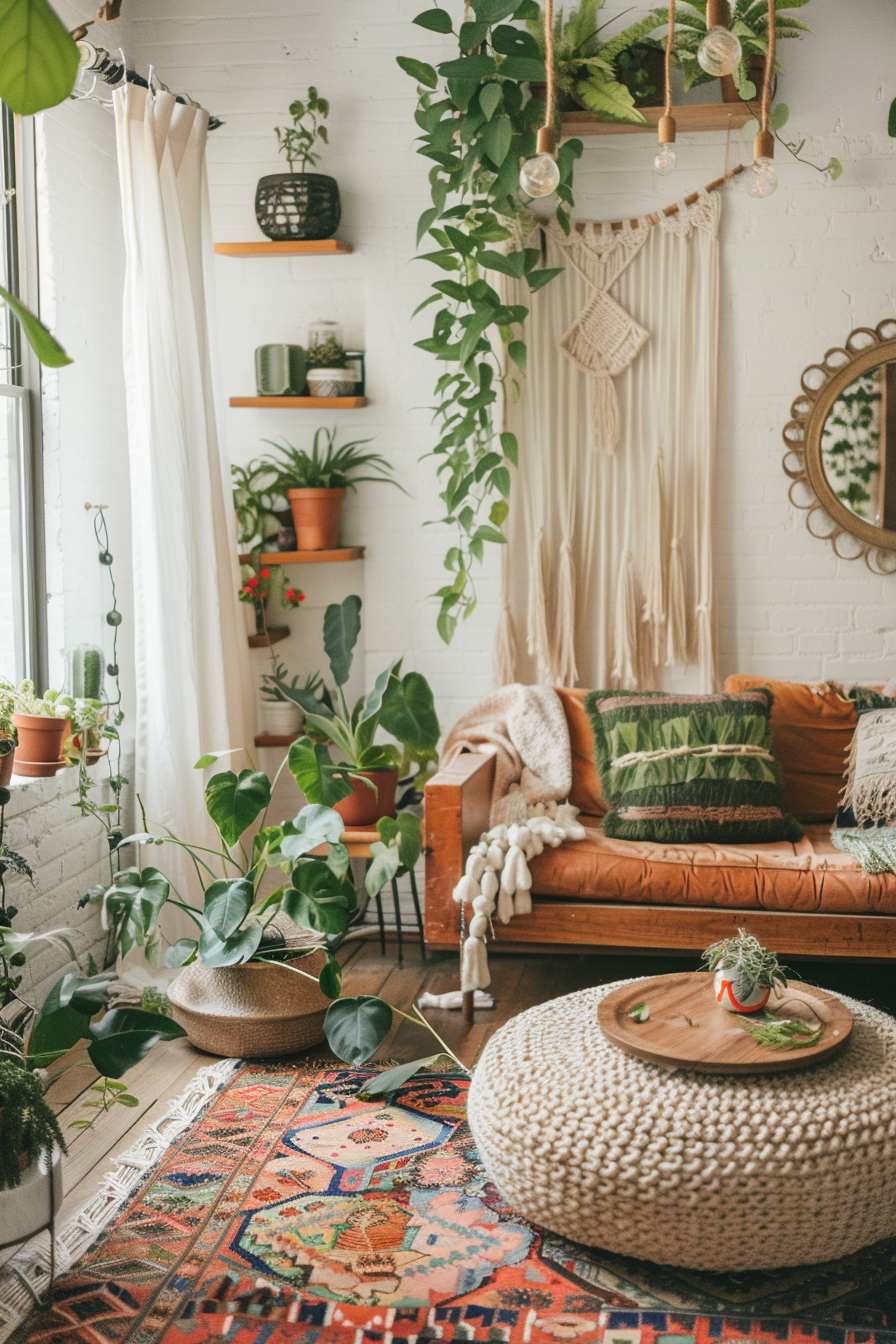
478 124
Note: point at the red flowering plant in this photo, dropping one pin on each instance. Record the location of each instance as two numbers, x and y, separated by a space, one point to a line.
259 586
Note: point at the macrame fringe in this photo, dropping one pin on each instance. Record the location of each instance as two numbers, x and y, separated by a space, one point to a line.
27 1274
497 879
677 649
627 659
706 651
604 406
654 616
565 622
538 639
504 655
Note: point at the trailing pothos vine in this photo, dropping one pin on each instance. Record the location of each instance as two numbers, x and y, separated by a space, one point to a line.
478 125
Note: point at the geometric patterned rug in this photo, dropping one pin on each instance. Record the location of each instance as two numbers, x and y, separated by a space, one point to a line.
289 1209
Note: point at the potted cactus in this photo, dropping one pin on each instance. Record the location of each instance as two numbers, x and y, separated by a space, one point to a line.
300 204
745 973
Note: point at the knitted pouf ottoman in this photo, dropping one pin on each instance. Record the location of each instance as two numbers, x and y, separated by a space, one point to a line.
711 1173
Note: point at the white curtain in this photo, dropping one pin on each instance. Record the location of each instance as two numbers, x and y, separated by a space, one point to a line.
608 572
194 690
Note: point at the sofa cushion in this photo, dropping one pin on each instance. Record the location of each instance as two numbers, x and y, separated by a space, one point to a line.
805 875
683 768
585 793
812 731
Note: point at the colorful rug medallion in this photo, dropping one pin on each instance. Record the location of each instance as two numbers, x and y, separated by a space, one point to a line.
290 1209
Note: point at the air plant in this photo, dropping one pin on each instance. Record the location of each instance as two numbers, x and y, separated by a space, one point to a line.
752 966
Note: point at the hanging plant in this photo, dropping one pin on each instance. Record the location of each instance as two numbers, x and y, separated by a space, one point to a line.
479 123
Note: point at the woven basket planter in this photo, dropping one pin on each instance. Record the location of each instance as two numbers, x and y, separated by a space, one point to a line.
297 205
250 1011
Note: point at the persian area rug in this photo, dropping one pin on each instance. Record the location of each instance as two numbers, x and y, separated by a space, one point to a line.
290 1209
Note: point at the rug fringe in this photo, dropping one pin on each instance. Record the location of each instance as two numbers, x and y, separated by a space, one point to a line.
26 1274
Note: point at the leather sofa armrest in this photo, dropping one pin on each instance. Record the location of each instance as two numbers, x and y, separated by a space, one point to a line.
457 807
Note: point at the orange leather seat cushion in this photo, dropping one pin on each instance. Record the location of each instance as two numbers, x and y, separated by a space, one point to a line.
808 875
585 793
812 736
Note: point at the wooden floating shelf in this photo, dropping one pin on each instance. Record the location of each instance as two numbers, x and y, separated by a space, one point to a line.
303 403
323 247
275 634
688 117
314 557
276 739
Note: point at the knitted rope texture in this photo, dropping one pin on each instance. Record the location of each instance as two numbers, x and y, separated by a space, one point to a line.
710 1173
497 877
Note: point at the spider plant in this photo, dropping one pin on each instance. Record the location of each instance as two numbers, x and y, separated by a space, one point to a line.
326 467
752 965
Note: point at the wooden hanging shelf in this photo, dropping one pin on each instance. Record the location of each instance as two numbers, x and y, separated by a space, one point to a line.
276 739
322 247
688 117
303 403
275 634
339 556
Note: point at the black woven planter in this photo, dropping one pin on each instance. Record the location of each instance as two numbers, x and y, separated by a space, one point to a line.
297 205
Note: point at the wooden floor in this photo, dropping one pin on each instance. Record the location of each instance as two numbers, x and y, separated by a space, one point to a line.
518 982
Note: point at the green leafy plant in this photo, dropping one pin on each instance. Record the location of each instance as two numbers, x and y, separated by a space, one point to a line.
274 687
752 965
255 501
748 21
588 70
326 467
780 1033
328 354
477 124
297 141
777 121
38 57
402 705
7 709
27 1123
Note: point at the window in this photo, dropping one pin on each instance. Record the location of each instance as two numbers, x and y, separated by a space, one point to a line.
20 568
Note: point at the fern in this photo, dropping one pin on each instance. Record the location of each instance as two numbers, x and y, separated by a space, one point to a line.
634 33
27 1125
609 100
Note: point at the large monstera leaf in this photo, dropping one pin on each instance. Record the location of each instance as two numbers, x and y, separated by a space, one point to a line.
234 801
38 57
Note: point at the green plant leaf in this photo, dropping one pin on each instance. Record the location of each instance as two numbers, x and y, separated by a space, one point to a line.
234 801
523 68
498 512
780 115
236 950
608 100
538 279
44 345
181 953
409 712
436 20
490 98
493 11
125 1036
891 120
319 779
38 57
834 169
331 978
342 626
355 1028
134 901
405 833
315 825
391 1079
468 68
419 70
511 264
318 899
384 865
495 139
517 349
227 903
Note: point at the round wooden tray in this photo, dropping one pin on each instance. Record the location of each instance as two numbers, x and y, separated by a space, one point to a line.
687 1029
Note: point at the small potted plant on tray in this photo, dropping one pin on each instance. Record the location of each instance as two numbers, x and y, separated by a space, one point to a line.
327 372
42 725
300 205
362 786
315 483
745 972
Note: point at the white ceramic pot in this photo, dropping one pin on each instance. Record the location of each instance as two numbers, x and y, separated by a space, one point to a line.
28 1207
331 382
724 987
281 717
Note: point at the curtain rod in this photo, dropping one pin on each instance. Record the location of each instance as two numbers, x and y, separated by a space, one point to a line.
98 62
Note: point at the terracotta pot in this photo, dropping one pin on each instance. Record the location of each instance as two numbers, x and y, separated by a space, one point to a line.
6 764
364 807
315 517
40 744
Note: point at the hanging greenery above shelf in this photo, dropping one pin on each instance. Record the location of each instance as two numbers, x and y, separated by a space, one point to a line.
478 123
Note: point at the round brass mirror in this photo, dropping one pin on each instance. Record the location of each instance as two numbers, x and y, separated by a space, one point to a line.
841 447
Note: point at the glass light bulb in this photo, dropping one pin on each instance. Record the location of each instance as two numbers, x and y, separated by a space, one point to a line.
666 160
720 52
762 180
540 176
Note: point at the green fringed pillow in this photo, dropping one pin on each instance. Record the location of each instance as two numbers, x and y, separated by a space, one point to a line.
683 769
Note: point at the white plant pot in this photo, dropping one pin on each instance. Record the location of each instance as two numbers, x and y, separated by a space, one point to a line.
331 382
753 1003
281 717
27 1208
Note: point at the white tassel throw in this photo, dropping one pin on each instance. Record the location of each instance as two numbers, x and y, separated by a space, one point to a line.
497 879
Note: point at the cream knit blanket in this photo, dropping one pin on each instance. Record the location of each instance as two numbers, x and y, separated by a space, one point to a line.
525 728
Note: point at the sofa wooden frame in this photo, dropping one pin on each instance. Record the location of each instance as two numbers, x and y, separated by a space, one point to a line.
457 812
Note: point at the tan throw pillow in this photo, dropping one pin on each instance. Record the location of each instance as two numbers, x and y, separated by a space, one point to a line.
871 775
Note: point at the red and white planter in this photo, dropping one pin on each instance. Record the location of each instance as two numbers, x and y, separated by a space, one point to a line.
754 1002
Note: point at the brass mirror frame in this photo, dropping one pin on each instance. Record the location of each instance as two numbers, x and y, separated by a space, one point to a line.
852 538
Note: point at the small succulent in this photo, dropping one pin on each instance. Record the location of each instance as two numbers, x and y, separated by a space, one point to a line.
751 964
326 354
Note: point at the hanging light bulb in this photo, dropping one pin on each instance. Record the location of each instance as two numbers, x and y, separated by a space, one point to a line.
540 176
665 161
762 180
720 52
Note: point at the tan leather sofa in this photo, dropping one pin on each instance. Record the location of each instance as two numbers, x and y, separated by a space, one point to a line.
804 898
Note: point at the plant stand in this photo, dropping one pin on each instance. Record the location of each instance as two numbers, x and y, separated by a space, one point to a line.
53 1181
358 843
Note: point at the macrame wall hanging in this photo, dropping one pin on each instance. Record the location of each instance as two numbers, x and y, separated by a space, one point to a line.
608 571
